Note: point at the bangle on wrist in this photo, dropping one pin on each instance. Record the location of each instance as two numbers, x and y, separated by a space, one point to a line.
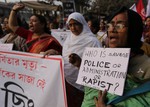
14 10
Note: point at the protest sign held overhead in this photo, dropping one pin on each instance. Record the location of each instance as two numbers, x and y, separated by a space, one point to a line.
104 68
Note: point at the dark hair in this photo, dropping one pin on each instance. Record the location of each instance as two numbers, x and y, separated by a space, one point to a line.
1 31
24 23
42 19
147 18
135 29
19 21
95 23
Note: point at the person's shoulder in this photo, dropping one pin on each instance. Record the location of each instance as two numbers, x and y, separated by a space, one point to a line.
146 48
146 44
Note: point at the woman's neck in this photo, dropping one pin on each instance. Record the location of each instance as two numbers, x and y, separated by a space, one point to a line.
36 35
39 33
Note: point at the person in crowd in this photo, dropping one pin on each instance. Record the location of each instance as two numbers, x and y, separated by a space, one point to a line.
146 37
61 25
93 25
125 30
51 25
81 37
1 32
10 36
102 25
37 37
102 31
146 33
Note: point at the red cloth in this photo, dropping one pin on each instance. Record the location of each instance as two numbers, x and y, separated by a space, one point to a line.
24 33
140 9
41 44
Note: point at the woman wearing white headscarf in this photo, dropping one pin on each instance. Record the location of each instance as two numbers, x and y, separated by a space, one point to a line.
81 37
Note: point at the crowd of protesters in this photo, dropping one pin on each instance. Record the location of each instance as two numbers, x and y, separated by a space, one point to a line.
124 29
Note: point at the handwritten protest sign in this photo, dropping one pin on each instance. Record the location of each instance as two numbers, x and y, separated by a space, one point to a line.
104 68
28 80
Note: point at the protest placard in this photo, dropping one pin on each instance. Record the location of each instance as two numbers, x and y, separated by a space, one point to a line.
104 68
28 80
6 47
60 35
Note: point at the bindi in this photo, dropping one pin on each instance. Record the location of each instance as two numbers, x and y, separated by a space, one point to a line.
116 19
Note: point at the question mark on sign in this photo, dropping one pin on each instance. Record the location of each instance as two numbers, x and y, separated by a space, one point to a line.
117 84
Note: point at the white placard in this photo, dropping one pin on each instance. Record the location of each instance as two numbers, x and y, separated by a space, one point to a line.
6 47
60 35
104 68
28 80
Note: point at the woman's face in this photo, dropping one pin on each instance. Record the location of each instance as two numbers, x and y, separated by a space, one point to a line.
91 26
51 25
147 22
35 25
5 25
117 34
75 27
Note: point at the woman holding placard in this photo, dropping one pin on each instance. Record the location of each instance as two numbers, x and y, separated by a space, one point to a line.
124 31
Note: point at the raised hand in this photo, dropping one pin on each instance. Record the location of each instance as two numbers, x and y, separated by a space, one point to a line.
50 52
18 6
75 60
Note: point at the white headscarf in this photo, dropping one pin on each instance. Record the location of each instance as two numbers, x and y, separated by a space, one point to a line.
77 44
79 17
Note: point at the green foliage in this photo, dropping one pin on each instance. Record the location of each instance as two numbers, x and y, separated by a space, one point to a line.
108 6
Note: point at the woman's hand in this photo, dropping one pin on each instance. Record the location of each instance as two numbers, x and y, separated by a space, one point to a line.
100 101
50 52
18 6
75 60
